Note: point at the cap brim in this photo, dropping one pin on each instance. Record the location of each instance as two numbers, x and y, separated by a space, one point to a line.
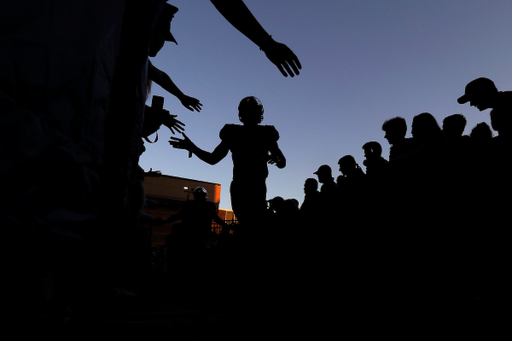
170 37
463 99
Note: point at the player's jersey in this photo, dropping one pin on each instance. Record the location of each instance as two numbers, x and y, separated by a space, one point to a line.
250 147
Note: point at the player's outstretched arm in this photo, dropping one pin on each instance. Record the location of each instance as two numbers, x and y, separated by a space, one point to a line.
212 158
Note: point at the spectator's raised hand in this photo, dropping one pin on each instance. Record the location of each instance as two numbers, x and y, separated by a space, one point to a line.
170 121
191 103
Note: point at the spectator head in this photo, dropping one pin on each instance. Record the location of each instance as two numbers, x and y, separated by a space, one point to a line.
162 31
425 128
395 129
501 122
481 133
276 204
348 165
310 185
291 206
454 125
200 193
324 173
479 93
372 149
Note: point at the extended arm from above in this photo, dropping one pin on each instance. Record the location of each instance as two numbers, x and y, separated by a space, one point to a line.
238 15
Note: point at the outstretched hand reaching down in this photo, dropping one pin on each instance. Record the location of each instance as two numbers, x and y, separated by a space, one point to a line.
283 57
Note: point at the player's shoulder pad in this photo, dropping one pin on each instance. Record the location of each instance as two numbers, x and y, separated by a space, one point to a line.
228 131
270 132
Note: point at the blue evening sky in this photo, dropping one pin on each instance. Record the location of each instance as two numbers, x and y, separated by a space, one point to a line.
362 62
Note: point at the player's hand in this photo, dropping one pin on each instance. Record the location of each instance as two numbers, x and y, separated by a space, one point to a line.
183 143
276 160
